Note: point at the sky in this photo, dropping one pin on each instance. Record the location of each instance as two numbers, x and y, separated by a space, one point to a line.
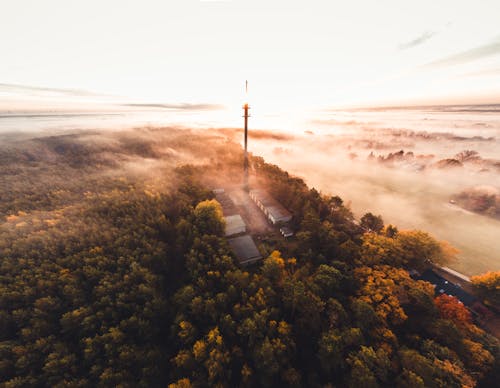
295 54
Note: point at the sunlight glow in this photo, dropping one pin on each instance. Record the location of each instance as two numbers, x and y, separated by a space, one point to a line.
297 58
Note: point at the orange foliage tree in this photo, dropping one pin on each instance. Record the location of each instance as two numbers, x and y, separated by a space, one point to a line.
451 308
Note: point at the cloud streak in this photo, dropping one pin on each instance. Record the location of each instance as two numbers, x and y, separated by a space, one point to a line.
484 51
38 89
427 35
483 73
182 106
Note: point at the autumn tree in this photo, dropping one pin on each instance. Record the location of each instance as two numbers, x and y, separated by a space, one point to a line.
488 287
451 308
379 249
412 248
386 288
372 223
209 218
420 247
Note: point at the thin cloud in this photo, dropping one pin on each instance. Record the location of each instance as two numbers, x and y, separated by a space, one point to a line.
483 51
37 89
183 106
417 41
482 73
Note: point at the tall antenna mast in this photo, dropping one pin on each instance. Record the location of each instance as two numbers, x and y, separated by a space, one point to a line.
245 165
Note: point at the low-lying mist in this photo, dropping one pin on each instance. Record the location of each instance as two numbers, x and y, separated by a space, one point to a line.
43 172
407 175
418 169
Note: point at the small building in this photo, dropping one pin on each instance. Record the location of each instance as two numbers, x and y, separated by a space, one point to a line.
443 286
273 210
245 249
286 231
234 225
228 206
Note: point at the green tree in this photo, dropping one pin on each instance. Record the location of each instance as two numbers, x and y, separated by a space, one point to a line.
372 223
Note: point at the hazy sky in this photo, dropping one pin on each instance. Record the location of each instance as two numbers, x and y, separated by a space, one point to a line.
294 53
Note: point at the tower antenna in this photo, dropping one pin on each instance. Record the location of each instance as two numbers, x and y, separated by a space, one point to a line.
245 165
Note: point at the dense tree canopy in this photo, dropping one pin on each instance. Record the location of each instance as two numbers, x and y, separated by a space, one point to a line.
120 281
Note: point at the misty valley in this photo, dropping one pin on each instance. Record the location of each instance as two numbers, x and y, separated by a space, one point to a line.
431 168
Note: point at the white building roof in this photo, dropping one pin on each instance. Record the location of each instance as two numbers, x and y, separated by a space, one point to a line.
273 209
279 213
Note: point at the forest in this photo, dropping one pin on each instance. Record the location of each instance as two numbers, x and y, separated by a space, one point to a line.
114 271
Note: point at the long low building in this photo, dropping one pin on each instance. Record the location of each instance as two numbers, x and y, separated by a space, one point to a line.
443 286
245 249
273 210
456 274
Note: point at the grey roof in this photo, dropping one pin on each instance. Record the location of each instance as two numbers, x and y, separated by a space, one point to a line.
272 207
443 286
456 274
234 225
228 207
263 197
279 213
245 249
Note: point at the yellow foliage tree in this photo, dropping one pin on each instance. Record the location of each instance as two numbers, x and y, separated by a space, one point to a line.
209 218
182 383
488 287
385 288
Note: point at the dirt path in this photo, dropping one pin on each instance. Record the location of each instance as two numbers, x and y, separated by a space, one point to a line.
254 218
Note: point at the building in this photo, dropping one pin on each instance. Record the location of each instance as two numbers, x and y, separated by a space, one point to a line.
234 225
273 210
456 274
443 286
286 231
228 206
245 249
243 246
